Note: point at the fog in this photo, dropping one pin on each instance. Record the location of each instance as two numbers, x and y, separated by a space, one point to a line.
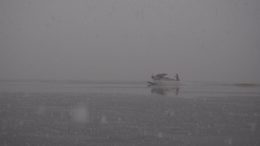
202 40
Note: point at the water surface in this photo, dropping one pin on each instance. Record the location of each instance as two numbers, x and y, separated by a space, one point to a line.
128 113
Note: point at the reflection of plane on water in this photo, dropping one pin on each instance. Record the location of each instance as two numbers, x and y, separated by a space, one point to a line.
164 90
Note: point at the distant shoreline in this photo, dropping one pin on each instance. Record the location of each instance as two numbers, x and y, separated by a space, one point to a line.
238 84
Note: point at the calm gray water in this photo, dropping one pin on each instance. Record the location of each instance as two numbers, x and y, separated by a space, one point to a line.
128 113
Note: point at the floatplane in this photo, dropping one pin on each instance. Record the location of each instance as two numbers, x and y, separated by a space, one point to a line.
162 79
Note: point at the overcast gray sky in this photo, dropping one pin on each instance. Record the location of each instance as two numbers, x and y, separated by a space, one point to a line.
212 40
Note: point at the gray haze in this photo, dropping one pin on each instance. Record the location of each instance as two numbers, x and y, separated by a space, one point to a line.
212 40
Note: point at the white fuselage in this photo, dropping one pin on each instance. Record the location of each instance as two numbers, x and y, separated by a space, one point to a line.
167 82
